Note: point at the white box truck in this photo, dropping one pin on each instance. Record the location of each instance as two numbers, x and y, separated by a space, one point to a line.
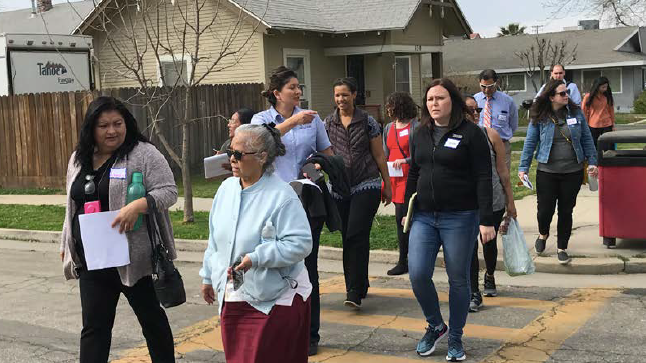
37 63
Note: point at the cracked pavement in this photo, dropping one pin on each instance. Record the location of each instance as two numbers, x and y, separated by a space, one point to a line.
40 319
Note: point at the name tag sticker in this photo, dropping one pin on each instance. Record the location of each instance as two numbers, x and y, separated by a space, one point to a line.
403 133
572 121
118 173
502 117
457 136
452 143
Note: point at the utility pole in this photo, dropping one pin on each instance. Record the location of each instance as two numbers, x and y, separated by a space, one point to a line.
537 28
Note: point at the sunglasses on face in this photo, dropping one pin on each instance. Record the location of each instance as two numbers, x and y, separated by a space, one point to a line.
487 86
238 154
564 93
476 109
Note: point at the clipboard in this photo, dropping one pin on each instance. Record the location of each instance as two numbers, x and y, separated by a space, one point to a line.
409 213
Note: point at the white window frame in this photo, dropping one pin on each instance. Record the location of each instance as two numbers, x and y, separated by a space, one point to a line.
410 72
307 82
621 77
516 74
171 58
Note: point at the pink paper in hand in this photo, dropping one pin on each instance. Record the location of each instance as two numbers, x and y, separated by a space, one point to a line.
92 207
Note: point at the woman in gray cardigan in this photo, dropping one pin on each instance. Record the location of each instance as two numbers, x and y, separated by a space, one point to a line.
398 142
109 151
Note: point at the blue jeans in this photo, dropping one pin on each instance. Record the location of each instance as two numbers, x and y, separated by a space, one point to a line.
456 232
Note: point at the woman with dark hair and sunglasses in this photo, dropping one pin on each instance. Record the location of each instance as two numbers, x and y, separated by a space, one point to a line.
598 108
450 171
503 200
303 134
258 238
110 149
397 143
356 136
559 130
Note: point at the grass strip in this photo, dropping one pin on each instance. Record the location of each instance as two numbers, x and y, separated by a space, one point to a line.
51 217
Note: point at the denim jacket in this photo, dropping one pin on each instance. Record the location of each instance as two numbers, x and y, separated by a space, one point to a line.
540 136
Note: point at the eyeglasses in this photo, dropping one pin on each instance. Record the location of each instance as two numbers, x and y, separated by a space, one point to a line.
564 93
487 86
238 154
476 109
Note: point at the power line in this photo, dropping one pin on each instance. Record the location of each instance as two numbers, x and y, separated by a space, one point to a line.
537 28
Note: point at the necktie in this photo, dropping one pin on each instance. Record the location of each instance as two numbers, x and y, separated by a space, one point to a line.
487 114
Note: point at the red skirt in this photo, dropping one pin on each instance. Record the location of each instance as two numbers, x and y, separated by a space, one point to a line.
249 336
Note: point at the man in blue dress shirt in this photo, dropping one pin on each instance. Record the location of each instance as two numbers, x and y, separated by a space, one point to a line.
498 110
558 73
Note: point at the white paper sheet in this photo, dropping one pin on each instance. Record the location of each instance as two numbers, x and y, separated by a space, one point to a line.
307 181
394 172
213 165
104 246
527 183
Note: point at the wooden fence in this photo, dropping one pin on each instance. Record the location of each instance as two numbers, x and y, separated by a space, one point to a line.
38 132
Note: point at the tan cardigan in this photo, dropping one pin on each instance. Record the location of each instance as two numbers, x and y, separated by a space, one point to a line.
159 183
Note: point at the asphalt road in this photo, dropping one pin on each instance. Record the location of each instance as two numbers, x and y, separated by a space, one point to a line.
40 319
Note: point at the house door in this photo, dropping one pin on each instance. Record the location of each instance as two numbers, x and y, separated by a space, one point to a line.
355 69
298 60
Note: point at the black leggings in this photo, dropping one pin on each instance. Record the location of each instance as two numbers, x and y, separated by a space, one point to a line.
490 251
553 187
402 238
598 131
100 291
357 214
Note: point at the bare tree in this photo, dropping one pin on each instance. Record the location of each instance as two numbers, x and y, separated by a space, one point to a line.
169 43
612 12
542 55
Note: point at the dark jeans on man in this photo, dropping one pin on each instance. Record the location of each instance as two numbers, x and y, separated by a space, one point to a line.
553 187
357 214
311 263
402 238
490 252
598 131
100 291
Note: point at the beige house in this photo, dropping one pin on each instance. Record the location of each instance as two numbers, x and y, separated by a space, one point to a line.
387 45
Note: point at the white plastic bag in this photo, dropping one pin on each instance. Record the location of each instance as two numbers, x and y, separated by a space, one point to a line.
516 256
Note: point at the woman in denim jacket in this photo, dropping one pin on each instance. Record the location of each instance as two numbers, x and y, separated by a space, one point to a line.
560 135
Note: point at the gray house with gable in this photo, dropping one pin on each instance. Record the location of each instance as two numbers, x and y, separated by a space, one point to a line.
617 53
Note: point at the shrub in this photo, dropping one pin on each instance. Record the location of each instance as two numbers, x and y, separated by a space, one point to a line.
640 104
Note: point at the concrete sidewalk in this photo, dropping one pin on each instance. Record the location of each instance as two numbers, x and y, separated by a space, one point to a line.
586 248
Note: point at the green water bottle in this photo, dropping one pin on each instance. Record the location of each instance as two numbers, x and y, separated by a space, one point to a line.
136 190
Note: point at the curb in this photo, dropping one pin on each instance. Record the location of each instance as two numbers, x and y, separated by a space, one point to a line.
549 264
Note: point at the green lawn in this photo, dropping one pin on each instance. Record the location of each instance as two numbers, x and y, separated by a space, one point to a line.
626 118
50 218
31 191
202 188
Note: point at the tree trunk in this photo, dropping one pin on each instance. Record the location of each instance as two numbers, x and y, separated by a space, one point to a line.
186 177
186 160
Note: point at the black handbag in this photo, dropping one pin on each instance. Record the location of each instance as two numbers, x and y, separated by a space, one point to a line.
167 280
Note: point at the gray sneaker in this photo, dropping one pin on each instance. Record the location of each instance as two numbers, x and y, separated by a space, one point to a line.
563 257
490 285
427 344
540 245
476 302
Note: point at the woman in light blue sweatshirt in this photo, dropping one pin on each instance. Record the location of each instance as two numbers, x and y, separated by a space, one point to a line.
258 220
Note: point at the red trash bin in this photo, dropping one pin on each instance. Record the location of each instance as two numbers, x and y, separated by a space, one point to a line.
622 187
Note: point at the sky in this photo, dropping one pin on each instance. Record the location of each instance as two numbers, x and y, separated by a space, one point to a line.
485 17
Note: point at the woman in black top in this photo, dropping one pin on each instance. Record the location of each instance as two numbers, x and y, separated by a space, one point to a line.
451 173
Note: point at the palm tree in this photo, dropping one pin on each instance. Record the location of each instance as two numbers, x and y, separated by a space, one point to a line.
511 29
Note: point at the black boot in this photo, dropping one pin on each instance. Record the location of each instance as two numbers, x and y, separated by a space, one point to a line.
399 269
